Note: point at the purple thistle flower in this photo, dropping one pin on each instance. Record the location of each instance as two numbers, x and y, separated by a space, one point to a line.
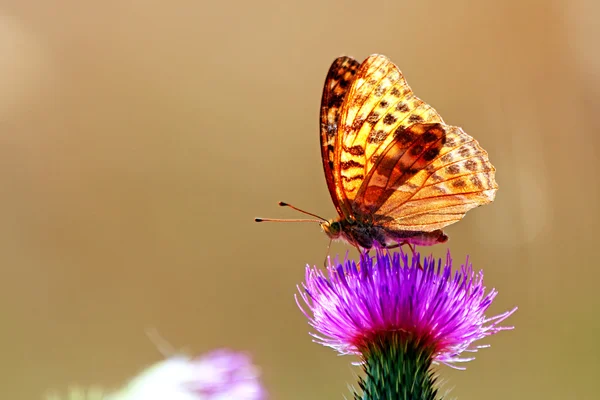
399 318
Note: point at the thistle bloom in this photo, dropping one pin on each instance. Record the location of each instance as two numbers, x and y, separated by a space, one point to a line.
219 375
399 318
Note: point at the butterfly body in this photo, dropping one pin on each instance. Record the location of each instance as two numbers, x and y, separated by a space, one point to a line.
368 234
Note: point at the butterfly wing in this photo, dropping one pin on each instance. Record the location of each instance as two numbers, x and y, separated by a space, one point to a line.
398 161
447 179
338 80
379 103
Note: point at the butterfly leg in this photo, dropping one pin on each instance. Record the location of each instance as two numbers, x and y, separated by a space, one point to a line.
412 250
327 255
361 254
410 246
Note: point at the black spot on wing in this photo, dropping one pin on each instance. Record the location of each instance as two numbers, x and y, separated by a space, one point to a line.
350 164
389 119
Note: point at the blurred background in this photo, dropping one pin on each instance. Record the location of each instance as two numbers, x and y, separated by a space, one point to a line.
139 139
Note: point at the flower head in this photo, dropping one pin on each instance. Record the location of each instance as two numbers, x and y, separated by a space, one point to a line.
435 310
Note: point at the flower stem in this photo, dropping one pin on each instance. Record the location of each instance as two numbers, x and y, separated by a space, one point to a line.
397 368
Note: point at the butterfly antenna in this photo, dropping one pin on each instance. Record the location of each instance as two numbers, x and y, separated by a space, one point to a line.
282 204
285 220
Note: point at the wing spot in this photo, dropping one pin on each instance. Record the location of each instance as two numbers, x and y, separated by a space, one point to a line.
336 100
355 150
389 119
437 177
415 118
447 157
450 142
395 92
471 165
476 182
431 153
429 137
383 104
353 178
379 91
402 107
453 169
373 118
356 125
376 136
459 183
404 136
350 164
464 152
331 129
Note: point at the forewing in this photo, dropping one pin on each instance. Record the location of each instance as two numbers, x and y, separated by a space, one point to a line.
340 76
378 107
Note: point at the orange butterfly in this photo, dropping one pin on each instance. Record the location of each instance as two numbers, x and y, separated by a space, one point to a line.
396 172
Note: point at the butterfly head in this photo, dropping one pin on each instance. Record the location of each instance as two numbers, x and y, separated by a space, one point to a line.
332 228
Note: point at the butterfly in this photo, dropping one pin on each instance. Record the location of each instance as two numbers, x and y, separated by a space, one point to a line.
396 172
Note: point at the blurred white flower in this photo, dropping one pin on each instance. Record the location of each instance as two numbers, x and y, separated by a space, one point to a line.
219 375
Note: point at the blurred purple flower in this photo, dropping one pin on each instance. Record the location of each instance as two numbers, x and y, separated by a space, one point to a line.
218 375
223 374
352 308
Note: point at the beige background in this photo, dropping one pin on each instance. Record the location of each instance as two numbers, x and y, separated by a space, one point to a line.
139 139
